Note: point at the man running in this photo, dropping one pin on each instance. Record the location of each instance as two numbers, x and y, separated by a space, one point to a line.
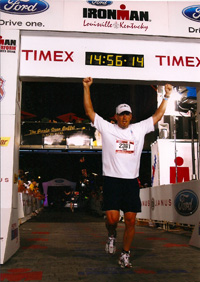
122 145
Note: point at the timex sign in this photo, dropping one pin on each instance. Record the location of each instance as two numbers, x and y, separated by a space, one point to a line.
50 56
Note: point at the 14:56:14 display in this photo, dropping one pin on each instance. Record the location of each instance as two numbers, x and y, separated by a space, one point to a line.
113 59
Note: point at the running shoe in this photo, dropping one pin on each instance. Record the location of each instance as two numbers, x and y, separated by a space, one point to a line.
124 260
110 245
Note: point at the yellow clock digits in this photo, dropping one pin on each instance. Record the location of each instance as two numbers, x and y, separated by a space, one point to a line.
141 61
91 59
119 61
114 59
97 58
110 60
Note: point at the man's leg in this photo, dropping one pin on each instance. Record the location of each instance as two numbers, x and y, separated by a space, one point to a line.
112 218
129 232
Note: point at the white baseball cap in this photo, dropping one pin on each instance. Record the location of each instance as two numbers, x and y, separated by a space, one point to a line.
123 108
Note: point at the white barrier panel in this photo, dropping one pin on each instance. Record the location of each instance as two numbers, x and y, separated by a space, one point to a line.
9 143
21 213
27 204
146 203
177 203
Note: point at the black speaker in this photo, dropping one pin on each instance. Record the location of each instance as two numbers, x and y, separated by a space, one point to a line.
181 126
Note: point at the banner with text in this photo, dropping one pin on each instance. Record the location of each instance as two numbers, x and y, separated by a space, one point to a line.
161 18
107 58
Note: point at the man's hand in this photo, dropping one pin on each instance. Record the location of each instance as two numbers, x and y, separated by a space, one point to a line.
168 90
87 81
161 110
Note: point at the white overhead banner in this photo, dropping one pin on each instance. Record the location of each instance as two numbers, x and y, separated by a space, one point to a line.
165 18
184 18
124 17
168 18
32 14
54 56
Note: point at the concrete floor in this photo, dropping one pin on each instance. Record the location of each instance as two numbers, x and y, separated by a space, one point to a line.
58 245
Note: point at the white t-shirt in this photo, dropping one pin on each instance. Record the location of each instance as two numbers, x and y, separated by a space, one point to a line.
122 148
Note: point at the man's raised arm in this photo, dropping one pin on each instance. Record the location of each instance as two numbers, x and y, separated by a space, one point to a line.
161 110
87 82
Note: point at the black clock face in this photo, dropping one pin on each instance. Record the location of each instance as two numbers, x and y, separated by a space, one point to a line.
115 60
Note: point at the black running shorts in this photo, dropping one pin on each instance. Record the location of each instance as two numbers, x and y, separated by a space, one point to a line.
121 194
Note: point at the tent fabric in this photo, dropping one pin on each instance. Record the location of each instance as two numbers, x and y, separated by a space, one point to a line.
56 182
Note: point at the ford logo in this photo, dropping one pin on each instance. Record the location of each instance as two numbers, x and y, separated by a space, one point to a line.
192 13
23 7
186 202
100 3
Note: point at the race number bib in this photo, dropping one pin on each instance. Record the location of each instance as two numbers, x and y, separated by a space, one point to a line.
126 147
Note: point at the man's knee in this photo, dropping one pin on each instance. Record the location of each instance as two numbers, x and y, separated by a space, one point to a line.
112 217
130 219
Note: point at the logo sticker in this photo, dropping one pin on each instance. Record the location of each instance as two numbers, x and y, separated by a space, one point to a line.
192 13
23 7
100 3
7 45
4 141
121 18
2 91
186 202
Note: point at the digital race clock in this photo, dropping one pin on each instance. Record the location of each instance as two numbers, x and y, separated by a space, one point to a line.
115 60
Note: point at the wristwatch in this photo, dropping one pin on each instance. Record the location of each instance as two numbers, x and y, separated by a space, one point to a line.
166 97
